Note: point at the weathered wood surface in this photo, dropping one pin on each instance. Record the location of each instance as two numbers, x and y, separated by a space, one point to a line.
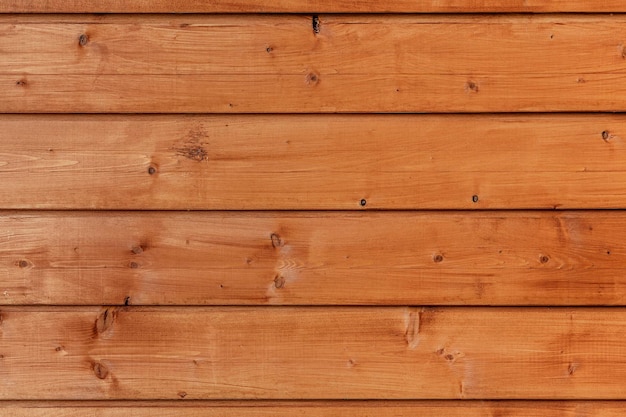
312 162
310 6
312 353
328 63
248 408
313 258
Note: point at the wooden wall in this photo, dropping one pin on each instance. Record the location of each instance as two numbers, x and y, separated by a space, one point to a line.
314 208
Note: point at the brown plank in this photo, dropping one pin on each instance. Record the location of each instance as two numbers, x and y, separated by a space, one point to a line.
312 162
297 94
287 45
322 258
467 408
312 353
310 6
355 63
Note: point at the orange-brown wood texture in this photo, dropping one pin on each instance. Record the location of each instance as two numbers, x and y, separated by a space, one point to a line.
312 353
325 208
250 408
309 6
259 162
304 64
313 258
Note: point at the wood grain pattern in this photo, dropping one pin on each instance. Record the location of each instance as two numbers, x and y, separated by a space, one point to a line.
330 258
282 293
312 162
288 45
312 353
467 408
281 64
309 6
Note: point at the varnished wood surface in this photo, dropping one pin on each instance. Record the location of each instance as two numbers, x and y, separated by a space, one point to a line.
355 162
248 408
304 64
311 6
312 353
313 258
288 296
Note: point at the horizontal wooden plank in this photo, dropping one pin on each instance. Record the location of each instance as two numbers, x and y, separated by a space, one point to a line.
466 408
312 162
321 258
304 64
312 353
309 6
288 45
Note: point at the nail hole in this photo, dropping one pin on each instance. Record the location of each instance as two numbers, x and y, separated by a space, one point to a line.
605 135
152 170
475 198
363 202
438 258
544 259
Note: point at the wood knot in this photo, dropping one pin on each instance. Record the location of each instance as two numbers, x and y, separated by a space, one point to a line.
438 258
411 334
182 394
21 83
312 79
279 281
100 370
105 320
544 259
133 265
193 150
472 86
83 40
137 250
606 135
277 242
152 169
23 263
193 144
